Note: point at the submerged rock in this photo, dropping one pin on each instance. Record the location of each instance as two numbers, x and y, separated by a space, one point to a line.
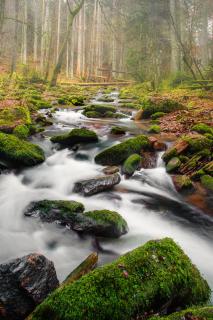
132 164
142 280
119 153
18 152
96 185
25 283
76 136
102 223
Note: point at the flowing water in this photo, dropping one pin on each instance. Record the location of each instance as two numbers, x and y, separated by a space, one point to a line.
147 201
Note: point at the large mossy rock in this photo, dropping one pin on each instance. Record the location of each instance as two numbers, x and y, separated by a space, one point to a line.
132 164
202 128
196 313
92 186
173 164
158 104
76 136
18 152
102 223
24 283
119 153
142 280
99 111
66 212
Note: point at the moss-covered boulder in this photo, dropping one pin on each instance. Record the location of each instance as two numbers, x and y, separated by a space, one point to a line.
180 147
202 128
198 142
142 280
106 99
21 131
158 104
66 212
117 130
74 100
154 129
157 115
119 153
132 164
207 182
99 111
173 164
195 313
102 223
18 152
76 136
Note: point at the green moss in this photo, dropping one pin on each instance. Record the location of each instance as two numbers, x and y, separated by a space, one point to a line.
202 128
76 136
130 105
154 129
207 182
105 99
209 136
132 164
117 130
71 99
119 153
142 280
183 182
22 131
20 114
173 164
198 143
152 106
19 152
101 111
109 223
196 313
198 174
157 115
51 210
92 114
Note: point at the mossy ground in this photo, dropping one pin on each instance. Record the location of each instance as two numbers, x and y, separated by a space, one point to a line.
138 282
196 313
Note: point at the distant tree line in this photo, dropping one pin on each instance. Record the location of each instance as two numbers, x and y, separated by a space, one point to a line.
104 39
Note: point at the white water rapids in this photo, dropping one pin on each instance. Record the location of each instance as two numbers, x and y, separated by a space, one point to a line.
147 201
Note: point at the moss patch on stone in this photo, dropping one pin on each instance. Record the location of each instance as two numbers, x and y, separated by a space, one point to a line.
173 164
22 131
138 282
117 130
119 153
157 115
198 143
19 152
105 223
196 313
207 182
202 128
76 136
99 111
153 105
154 129
131 164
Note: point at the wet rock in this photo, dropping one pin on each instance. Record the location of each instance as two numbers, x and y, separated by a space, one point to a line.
119 153
111 170
7 128
25 283
42 120
102 223
18 152
152 140
132 164
117 131
64 212
182 183
76 136
139 115
159 146
96 185
178 148
173 164
149 160
135 282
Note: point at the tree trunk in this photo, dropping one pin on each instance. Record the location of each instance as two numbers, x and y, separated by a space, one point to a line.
14 54
60 59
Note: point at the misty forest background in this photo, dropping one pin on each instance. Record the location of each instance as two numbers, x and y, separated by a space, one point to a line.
100 40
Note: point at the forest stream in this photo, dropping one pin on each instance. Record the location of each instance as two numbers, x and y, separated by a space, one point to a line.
148 201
